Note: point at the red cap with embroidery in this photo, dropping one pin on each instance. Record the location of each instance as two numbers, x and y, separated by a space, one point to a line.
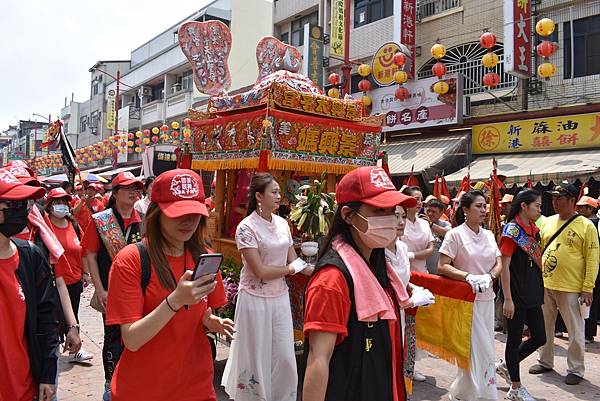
179 192
371 185
13 189
23 173
58 193
125 179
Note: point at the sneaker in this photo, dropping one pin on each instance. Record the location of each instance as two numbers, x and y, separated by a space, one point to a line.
559 334
502 371
519 394
419 377
573 379
80 356
106 395
537 369
589 340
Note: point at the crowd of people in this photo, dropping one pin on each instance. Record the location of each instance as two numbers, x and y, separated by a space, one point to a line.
138 244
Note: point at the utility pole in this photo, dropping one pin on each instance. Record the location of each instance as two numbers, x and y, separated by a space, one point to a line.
117 103
347 67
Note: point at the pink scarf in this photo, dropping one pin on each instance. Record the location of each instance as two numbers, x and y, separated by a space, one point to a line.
55 249
371 300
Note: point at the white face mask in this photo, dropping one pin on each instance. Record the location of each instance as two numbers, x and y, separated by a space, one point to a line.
381 231
60 211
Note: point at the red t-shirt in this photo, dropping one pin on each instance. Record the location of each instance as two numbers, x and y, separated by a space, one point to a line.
178 360
16 382
91 242
84 217
68 239
327 309
62 267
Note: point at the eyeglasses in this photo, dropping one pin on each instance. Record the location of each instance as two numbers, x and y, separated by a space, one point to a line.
17 204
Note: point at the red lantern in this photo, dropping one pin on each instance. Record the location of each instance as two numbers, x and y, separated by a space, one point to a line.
402 93
164 127
130 150
187 122
491 79
175 134
138 141
364 85
155 138
487 40
439 69
146 132
400 59
130 135
546 49
334 78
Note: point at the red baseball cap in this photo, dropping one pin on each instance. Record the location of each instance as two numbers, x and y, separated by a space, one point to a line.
58 193
179 192
23 173
371 185
13 189
125 179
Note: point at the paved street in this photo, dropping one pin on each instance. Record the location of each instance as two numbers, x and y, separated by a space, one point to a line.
84 382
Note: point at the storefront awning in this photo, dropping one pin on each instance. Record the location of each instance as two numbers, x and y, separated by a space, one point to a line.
426 156
542 166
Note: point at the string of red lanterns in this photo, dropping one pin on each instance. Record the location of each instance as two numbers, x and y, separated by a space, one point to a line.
545 27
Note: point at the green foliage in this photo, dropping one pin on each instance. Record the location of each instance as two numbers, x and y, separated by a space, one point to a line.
313 214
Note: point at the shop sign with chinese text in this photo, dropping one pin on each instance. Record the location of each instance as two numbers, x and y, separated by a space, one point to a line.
313 54
517 37
337 38
382 65
111 104
552 133
408 30
424 108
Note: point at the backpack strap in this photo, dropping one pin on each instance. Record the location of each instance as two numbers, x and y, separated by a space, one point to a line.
76 228
145 262
560 230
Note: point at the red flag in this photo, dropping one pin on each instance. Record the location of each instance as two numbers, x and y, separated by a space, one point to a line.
494 221
384 163
444 188
582 191
465 184
411 180
436 187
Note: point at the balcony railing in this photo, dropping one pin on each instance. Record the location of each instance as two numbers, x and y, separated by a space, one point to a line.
474 71
135 113
428 8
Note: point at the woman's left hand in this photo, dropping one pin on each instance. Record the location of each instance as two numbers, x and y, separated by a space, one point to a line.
216 324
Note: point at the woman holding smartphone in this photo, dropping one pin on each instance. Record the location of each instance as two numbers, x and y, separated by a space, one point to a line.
262 363
164 324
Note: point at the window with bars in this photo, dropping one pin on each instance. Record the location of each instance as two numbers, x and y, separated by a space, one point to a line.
466 59
428 8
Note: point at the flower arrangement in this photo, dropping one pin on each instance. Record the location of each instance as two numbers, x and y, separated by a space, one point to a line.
314 211
230 271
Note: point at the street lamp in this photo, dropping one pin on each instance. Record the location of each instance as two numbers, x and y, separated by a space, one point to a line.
49 118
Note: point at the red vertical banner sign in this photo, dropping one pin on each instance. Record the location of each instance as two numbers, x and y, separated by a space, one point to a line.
517 37
408 28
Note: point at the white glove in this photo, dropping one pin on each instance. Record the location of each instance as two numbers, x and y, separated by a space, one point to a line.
411 255
485 281
298 265
422 297
473 280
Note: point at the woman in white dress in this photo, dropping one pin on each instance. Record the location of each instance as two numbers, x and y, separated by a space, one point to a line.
470 253
417 234
262 362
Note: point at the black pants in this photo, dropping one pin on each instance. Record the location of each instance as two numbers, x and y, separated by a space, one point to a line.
591 324
516 348
75 291
112 348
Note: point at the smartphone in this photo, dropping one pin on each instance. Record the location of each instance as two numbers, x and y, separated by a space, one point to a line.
208 263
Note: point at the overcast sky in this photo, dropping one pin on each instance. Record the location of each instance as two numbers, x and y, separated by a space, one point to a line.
48 46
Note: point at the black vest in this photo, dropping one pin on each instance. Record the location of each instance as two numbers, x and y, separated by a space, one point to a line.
360 368
103 259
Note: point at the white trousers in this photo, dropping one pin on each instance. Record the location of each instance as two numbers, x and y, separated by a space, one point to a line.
480 382
262 362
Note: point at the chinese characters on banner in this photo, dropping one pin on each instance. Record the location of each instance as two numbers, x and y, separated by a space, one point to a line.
337 39
517 37
553 133
424 108
111 110
408 30
383 66
322 105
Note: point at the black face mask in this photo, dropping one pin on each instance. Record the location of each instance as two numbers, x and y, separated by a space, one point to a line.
15 220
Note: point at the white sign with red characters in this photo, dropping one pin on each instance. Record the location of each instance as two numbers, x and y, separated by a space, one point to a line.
185 186
408 30
424 108
517 37
380 179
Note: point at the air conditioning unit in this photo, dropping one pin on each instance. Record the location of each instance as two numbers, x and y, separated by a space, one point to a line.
144 91
176 88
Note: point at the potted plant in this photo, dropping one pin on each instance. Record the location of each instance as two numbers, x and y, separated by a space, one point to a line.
313 214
